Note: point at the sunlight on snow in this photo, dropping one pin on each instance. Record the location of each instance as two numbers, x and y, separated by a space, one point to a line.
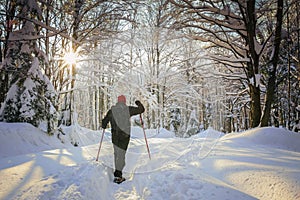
26 173
272 184
63 156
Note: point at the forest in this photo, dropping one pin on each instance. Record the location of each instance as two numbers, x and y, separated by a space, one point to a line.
227 64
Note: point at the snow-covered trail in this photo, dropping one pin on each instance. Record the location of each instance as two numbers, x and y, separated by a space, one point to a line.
74 174
204 167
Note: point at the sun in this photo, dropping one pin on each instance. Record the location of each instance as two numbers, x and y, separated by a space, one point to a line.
70 58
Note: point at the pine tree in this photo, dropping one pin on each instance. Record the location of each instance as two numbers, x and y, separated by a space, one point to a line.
31 97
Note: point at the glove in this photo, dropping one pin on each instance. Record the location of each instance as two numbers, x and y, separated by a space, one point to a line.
140 106
103 125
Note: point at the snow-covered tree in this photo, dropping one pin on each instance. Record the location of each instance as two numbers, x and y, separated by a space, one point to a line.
31 97
147 50
237 33
153 63
85 23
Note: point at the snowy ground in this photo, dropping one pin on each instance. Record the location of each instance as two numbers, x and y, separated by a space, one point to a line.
262 163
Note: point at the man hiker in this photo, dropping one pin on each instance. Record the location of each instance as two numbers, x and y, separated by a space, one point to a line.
119 118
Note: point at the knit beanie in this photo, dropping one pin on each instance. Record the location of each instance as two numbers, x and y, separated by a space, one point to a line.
122 99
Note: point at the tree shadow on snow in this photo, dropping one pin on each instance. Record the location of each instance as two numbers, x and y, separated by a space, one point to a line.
26 175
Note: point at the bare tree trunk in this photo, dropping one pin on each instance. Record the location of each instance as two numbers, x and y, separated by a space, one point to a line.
272 80
253 67
255 109
75 27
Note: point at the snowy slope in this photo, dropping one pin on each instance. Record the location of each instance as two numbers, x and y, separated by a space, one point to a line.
261 163
23 138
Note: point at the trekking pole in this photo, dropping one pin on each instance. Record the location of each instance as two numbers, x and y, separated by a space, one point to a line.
100 144
145 136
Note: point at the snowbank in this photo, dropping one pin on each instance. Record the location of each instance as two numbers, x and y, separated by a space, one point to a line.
23 138
137 132
79 136
268 136
209 133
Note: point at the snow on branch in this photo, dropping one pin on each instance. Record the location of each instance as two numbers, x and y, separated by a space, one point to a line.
255 80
